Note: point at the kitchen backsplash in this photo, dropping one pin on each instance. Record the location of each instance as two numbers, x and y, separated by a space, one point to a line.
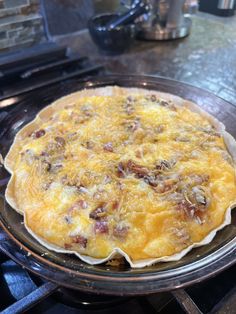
68 16
21 24
24 23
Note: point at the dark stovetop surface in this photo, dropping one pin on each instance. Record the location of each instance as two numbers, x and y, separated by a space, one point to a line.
16 283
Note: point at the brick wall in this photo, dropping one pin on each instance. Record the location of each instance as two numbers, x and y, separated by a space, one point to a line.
21 24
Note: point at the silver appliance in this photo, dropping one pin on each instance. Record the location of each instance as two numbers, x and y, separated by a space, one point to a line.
226 4
166 19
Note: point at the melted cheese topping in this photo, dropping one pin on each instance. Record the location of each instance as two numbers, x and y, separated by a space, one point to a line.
136 173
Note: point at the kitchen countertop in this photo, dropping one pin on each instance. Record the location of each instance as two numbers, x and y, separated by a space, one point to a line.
206 58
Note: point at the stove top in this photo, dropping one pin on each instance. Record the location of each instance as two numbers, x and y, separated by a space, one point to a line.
40 66
22 291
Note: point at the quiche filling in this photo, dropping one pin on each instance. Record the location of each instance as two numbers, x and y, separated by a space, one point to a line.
138 173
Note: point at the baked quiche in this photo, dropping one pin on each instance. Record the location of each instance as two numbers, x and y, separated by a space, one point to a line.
114 170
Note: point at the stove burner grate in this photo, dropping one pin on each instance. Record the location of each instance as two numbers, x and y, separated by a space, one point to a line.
22 291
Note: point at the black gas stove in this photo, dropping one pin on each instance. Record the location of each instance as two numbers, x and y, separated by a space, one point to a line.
23 292
39 67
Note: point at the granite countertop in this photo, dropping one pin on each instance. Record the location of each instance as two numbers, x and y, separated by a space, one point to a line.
206 58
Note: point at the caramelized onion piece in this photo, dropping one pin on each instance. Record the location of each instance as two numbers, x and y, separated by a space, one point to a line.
78 239
195 203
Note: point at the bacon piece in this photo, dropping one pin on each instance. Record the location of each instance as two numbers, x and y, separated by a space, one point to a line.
108 147
120 231
166 183
44 154
120 170
132 167
188 208
167 104
195 203
160 183
134 125
67 246
101 227
75 182
129 108
38 134
46 166
89 145
153 98
55 167
78 239
138 170
151 180
60 140
97 213
199 197
165 165
115 205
